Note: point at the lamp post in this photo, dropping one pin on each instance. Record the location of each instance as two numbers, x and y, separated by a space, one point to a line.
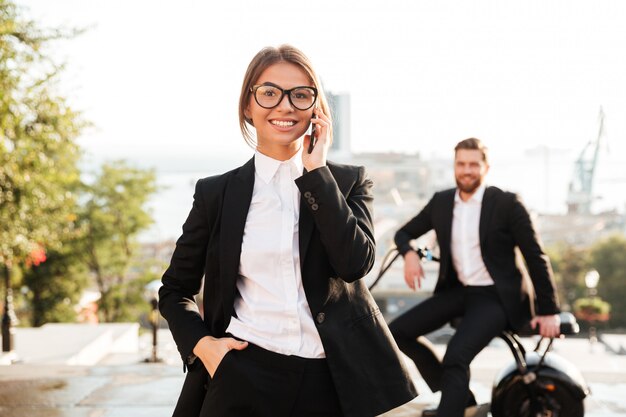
151 293
591 282
8 317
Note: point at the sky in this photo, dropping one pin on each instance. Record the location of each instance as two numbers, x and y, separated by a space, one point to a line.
160 80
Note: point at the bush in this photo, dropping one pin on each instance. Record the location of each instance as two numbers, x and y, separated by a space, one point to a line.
592 309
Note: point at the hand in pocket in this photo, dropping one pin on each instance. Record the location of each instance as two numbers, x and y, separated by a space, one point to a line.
211 351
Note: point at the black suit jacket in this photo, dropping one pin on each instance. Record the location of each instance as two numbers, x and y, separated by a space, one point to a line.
336 249
504 225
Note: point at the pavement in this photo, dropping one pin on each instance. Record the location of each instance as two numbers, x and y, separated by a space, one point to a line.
123 385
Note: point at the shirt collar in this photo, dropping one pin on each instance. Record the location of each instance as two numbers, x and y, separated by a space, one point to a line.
266 167
477 197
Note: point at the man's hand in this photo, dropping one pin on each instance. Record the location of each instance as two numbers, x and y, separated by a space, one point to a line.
413 272
549 326
211 351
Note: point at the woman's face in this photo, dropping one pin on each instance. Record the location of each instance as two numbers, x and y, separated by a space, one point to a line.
282 125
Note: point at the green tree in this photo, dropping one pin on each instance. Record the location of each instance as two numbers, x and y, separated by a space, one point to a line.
607 257
55 286
39 174
133 305
570 264
112 217
38 153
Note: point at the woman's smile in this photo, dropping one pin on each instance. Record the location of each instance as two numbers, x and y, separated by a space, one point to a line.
283 124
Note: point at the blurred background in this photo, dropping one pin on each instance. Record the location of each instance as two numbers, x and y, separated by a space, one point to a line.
111 111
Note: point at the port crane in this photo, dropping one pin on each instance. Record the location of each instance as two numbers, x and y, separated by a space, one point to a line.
580 191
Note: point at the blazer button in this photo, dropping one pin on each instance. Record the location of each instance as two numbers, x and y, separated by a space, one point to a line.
311 200
314 207
320 318
307 194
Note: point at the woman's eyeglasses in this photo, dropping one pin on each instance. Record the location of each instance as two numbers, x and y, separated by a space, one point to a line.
269 96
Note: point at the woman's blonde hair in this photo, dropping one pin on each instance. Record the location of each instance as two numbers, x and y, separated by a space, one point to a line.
264 59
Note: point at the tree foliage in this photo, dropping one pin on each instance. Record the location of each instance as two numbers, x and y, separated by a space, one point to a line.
607 257
38 154
55 286
44 207
570 265
112 216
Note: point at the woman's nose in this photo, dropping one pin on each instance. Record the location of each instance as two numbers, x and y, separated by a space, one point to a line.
285 104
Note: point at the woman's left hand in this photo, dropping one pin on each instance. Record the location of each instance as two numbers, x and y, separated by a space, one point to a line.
323 133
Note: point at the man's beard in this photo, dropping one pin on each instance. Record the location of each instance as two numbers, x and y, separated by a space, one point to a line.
469 188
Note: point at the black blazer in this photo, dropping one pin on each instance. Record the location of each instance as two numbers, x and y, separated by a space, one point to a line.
504 225
336 249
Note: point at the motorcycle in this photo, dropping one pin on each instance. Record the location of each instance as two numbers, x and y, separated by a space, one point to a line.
537 383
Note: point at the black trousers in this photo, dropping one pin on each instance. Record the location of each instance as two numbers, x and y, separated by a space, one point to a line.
483 318
255 382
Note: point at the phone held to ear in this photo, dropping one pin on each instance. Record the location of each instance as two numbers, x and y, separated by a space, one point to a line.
312 142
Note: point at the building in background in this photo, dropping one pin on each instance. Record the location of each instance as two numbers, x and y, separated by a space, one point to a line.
340 108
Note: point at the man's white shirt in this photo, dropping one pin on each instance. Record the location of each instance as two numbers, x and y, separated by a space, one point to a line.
466 253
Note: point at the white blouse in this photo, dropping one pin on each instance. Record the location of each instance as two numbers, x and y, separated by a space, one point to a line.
271 307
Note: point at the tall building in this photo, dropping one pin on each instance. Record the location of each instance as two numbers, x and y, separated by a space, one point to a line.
340 108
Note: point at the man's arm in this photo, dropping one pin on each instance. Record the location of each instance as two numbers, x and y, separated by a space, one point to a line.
539 270
414 228
537 261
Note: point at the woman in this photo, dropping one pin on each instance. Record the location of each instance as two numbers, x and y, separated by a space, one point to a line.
289 329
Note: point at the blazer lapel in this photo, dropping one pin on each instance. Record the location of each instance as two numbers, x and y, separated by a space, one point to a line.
306 224
237 198
448 216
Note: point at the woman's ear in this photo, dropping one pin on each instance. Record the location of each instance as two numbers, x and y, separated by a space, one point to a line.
246 114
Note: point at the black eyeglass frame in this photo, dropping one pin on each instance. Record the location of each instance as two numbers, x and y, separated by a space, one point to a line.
254 88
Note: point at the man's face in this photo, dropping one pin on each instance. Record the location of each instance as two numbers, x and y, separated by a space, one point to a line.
469 169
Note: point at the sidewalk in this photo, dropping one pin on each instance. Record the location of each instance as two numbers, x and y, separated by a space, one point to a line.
121 386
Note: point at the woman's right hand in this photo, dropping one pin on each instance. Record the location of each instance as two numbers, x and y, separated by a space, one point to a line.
211 351
413 272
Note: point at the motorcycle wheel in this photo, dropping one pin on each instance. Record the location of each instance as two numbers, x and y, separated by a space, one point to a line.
554 398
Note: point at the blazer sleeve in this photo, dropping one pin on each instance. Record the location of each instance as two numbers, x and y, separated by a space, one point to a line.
414 228
344 223
183 278
537 261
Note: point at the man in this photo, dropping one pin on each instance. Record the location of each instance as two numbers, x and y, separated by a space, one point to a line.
477 229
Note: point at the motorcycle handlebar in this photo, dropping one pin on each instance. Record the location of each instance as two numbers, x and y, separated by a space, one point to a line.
569 326
425 253
393 254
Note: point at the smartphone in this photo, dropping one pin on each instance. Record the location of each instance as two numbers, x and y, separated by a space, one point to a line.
312 142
